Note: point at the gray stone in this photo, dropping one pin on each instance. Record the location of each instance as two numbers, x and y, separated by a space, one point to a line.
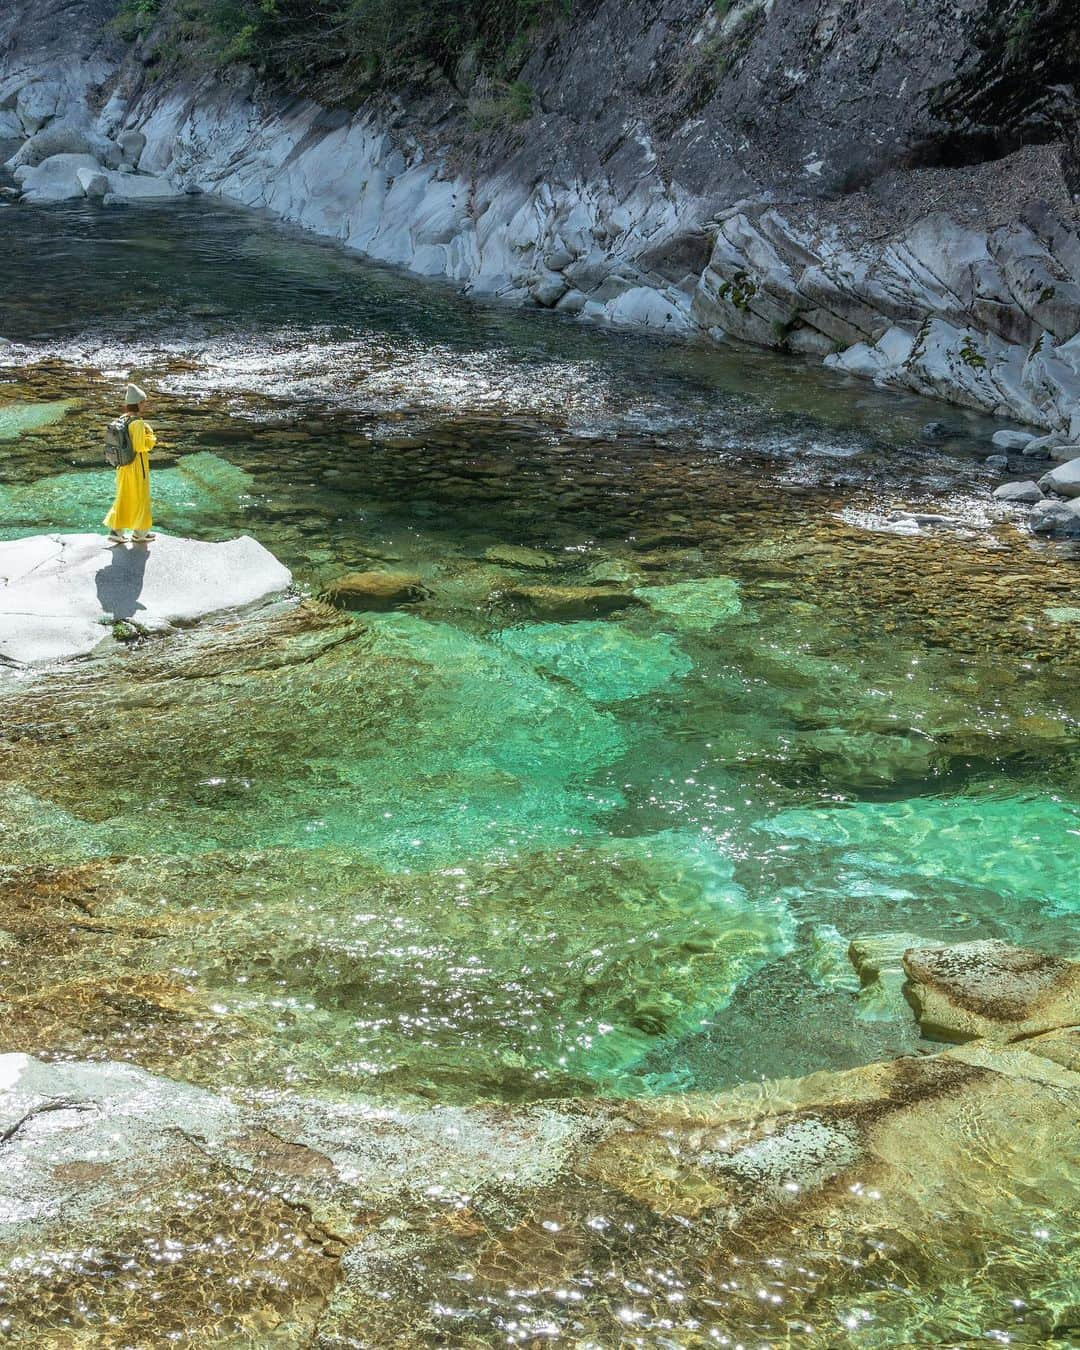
59 593
52 140
1012 440
55 179
1062 453
1024 493
1041 446
93 182
997 461
1056 518
1064 480
935 431
131 145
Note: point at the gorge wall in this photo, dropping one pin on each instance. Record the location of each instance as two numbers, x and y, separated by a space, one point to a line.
886 186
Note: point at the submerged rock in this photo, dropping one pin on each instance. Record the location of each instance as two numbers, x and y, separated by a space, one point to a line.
569 602
309 1218
696 605
991 990
603 660
60 593
377 592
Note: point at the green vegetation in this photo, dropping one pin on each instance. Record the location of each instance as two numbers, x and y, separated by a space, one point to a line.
347 46
495 104
1020 31
971 356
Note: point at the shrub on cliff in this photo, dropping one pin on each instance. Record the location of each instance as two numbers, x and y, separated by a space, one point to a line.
347 46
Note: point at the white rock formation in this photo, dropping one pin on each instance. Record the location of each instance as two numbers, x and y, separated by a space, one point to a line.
987 319
1064 480
60 594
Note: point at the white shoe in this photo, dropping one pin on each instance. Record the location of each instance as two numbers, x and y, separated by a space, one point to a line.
115 537
143 536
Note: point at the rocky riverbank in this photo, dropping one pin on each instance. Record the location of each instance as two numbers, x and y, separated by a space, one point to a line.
928 268
876 1200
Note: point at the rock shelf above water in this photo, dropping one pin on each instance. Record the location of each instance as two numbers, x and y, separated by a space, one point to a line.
60 594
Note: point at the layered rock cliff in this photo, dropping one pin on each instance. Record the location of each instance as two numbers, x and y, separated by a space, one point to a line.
886 187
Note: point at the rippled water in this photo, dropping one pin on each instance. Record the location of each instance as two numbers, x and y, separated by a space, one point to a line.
690 703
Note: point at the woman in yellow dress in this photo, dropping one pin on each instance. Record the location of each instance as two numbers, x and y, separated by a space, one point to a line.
131 508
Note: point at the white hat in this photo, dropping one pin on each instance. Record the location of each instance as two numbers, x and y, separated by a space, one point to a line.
134 395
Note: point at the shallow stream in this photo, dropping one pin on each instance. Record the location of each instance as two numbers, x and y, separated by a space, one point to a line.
689 698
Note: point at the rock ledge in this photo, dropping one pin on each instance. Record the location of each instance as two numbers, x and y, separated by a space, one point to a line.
60 594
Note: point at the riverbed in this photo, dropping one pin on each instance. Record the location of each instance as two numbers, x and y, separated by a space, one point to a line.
715 664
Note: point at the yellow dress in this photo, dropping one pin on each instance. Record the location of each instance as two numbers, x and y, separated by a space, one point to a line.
131 509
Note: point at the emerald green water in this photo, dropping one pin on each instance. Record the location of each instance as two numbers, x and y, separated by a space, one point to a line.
516 841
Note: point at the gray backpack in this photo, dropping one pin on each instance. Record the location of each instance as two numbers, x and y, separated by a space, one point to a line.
118 448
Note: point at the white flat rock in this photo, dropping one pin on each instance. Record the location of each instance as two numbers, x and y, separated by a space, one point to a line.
60 592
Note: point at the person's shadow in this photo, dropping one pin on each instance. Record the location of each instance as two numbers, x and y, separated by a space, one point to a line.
120 584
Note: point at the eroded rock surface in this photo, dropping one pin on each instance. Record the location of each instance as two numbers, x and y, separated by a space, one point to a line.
889 1188
991 990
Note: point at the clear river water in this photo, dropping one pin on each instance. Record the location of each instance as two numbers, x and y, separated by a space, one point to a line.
715 664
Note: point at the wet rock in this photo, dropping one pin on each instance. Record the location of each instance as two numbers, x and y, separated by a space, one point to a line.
997 461
1041 446
936 431
1062 453
569 602
517 555
59 594
1056 518
698 606
377 592
1026 493
991 990
878 959
1012 440
1064 480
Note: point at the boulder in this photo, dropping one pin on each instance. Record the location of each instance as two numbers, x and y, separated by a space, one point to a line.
1064 480
138 187
1041 446
131 144
517 555
1012 440
997 461
55 179
1061 453
569 602
60 594
1025 493
93 182
52 140
991 990
376 592
1056 518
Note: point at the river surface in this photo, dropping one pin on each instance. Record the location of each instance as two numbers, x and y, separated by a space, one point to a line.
689 698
